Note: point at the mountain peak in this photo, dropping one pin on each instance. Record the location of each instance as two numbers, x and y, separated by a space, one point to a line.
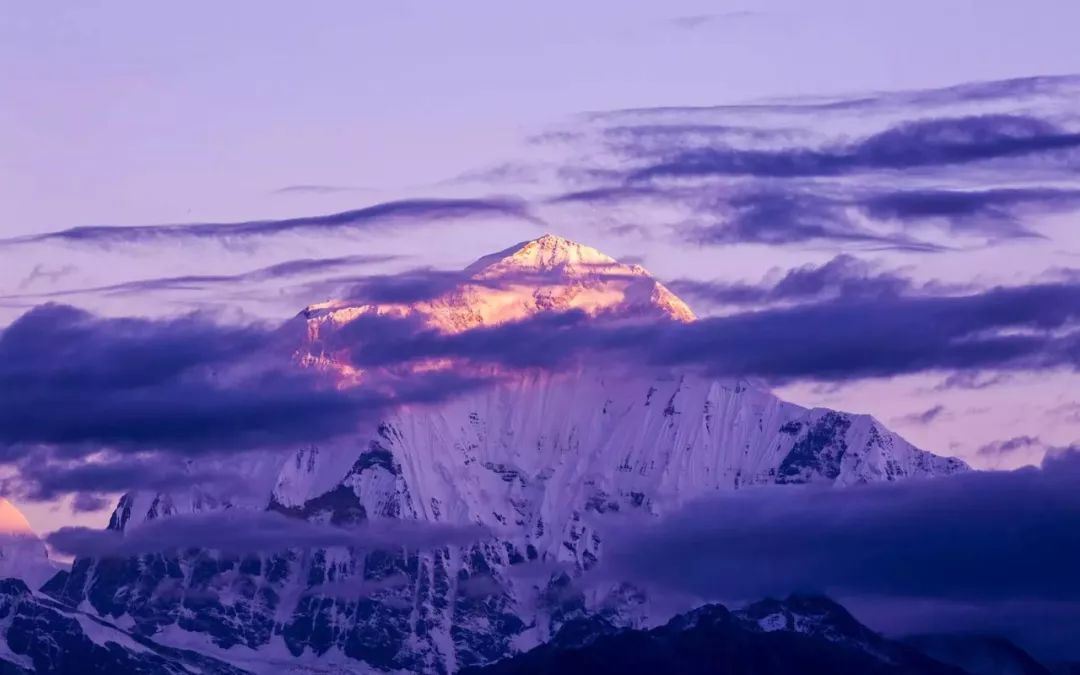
549 273
545 253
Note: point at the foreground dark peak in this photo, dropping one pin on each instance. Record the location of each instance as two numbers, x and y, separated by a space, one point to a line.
979 654
713 640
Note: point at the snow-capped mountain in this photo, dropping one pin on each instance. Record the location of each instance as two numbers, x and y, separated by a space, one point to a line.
22 554
541 458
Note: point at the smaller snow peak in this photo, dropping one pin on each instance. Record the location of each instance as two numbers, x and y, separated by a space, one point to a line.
22 554
12 521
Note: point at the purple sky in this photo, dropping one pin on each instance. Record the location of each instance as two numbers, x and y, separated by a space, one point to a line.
124 114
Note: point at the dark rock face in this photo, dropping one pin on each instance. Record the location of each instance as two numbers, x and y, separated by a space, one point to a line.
819 451
386 609
712 640
49 638
156 591
979 654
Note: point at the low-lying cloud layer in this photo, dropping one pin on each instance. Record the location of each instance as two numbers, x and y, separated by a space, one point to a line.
994 537
241 531
73 384
1024 327
992 553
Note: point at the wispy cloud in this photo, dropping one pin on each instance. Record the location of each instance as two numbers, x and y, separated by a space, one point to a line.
282 270
844 276
1010 446
697 21
972 380
909 145
40 272
387 214
923 417
1007 90
316 189
914 171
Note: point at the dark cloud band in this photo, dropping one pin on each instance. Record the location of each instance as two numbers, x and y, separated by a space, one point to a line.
387 214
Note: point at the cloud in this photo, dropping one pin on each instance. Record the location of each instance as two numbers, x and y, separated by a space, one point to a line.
75 386
923 417
1066 412
784 213
696 21
315 189
416 285
1010 446
426 283
735 174
987 537
80 383
414 211
282 270
908 145
42 476
972 379
773 212
1022 327
645 139
778 216
42 272
88 502
844 276
240 531
1008 90
609 195
998 211
723 175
